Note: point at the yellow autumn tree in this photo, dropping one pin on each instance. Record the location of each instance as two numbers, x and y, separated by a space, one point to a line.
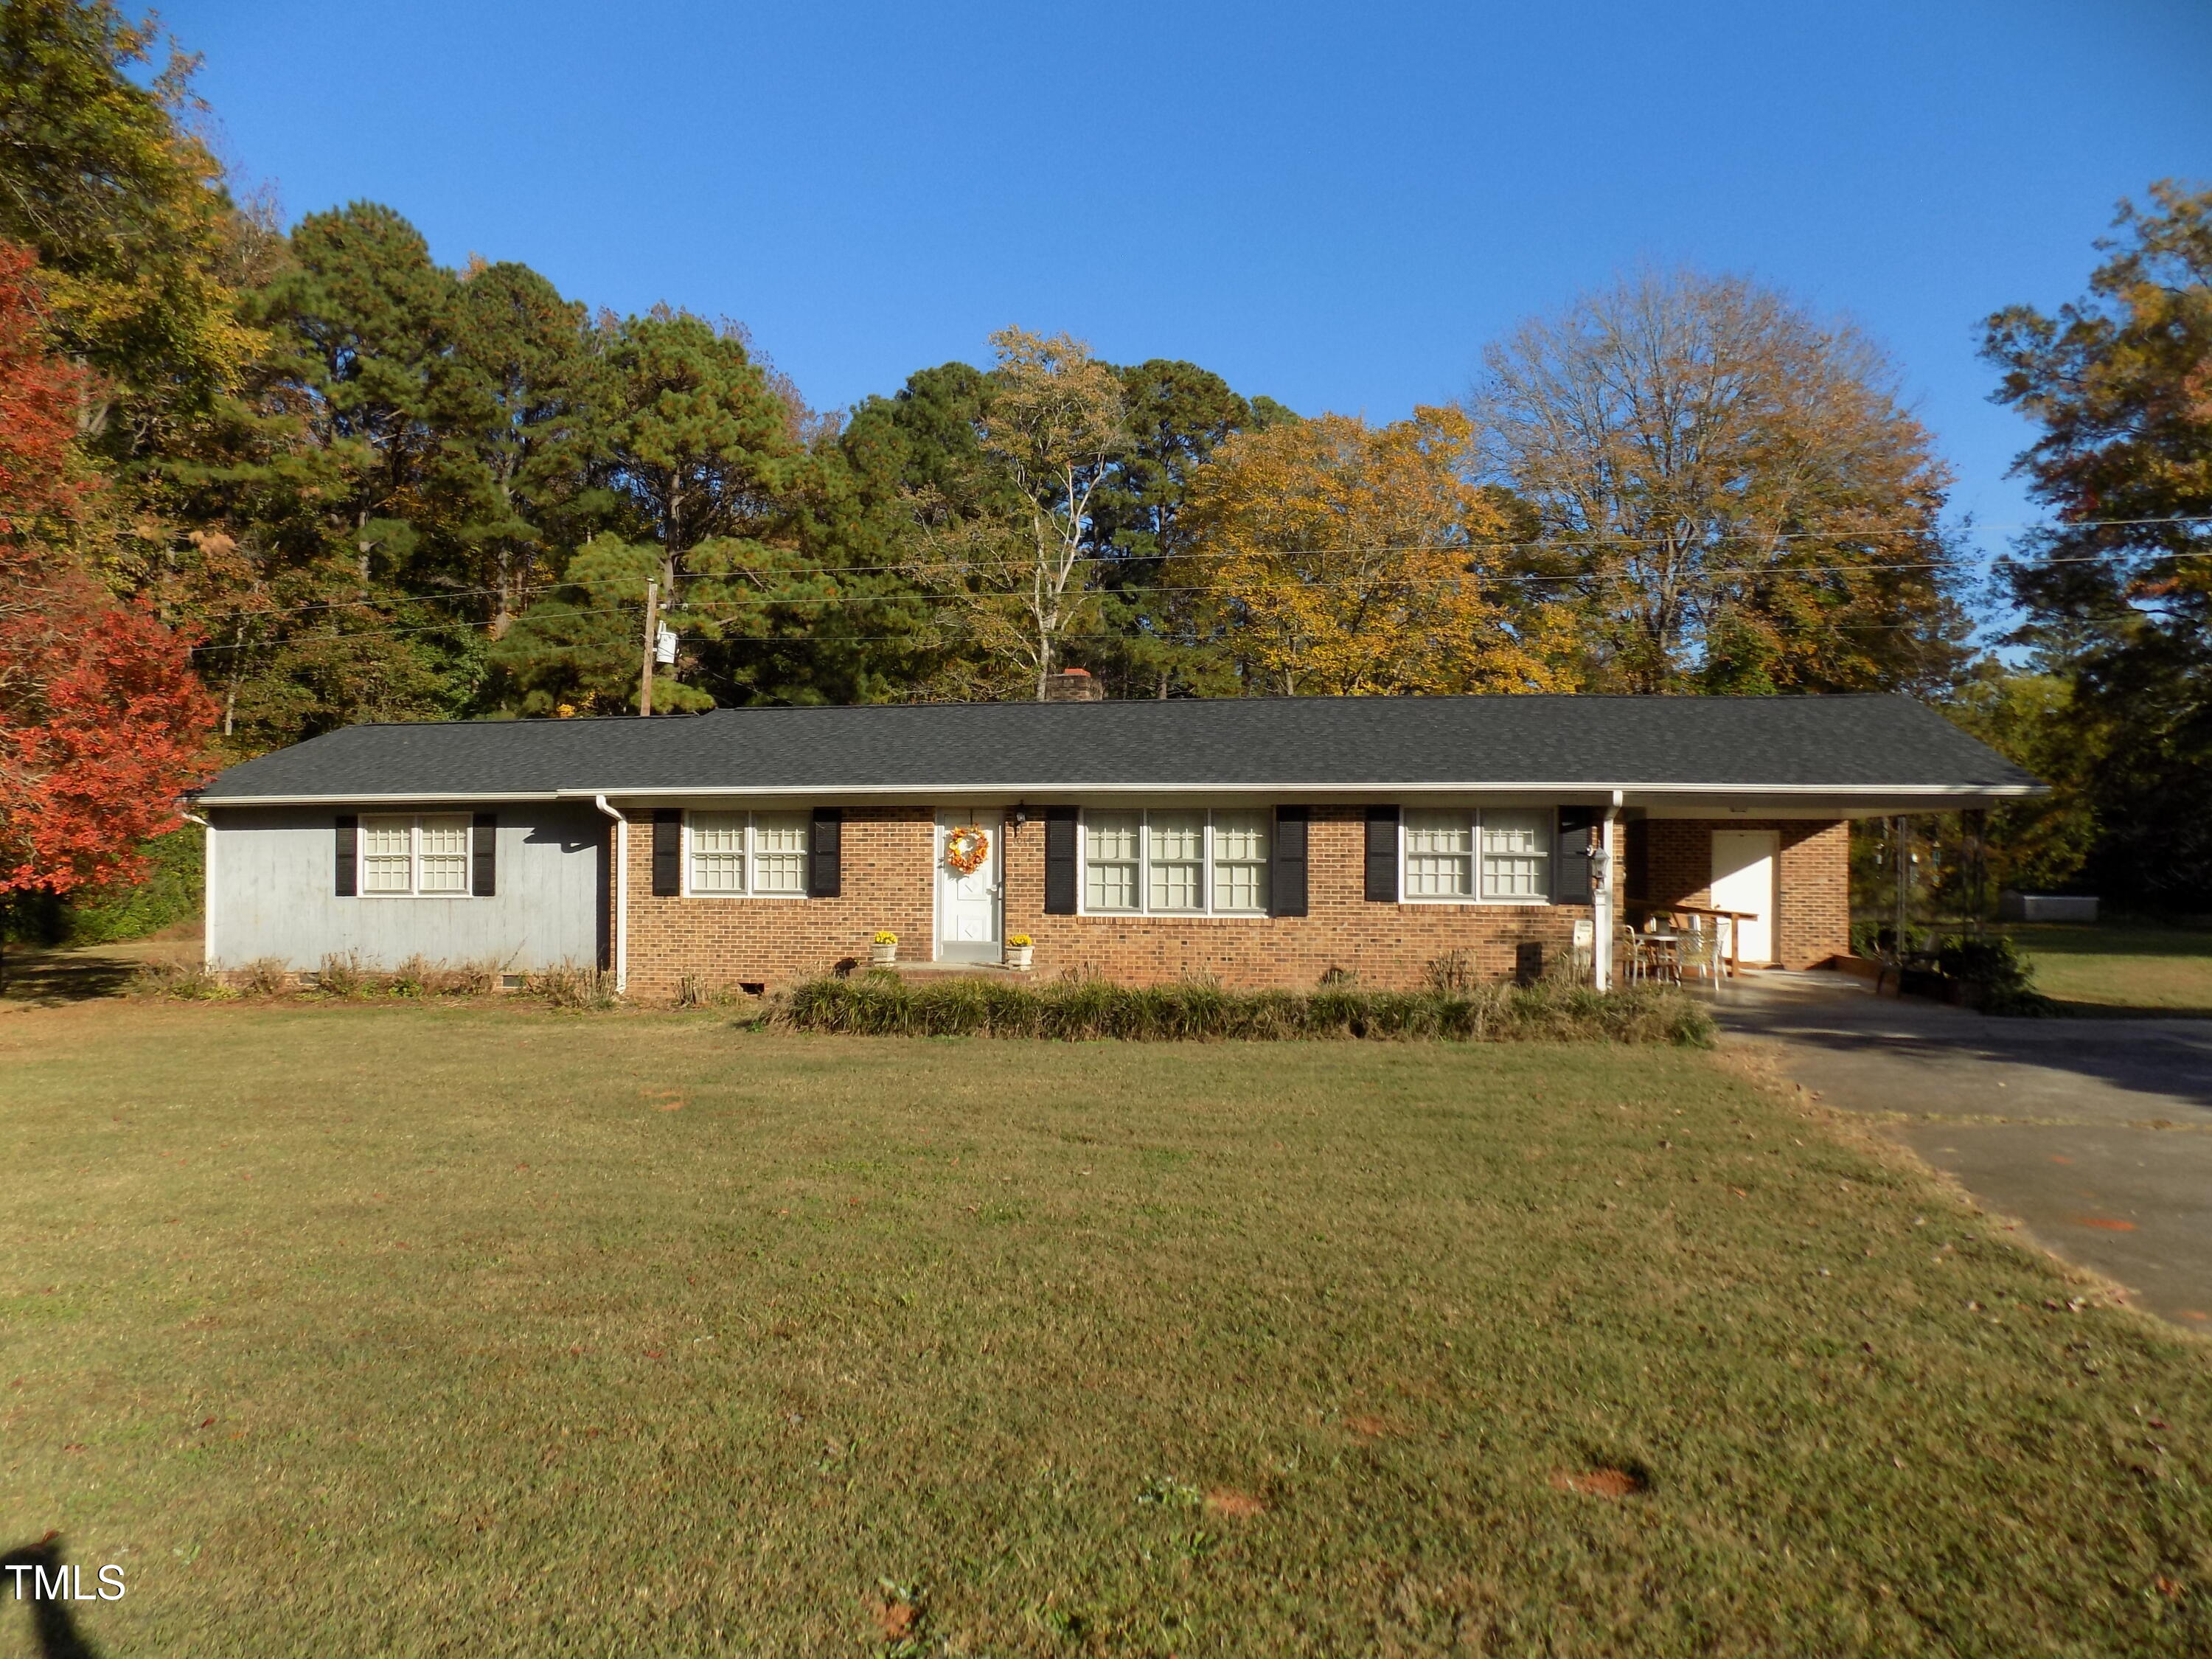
1338 558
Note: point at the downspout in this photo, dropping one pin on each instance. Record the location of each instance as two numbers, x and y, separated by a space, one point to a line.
207 887
622 894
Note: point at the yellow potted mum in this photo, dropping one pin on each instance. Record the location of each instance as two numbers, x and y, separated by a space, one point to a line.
1018 951
884 951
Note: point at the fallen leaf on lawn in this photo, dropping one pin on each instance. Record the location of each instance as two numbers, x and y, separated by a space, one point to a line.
1242 1505
1374 1428
895 1619
1598 1483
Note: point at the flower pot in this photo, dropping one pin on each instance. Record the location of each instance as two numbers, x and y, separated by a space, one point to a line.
882 956
1017 957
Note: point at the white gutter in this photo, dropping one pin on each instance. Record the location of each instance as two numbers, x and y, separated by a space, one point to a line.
1349 791
622 894
1934 793
421 797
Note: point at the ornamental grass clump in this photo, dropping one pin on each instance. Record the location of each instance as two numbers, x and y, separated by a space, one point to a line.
1089 1009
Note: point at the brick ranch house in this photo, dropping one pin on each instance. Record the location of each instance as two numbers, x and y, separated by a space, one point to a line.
1262 841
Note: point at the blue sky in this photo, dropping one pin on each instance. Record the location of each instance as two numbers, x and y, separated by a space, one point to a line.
1337 206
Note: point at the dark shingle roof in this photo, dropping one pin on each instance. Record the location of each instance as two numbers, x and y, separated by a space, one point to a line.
1841 743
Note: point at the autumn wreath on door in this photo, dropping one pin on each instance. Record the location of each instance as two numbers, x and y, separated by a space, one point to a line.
965 849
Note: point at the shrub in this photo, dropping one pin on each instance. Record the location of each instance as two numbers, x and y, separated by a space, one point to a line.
189 982
410 979
264 976
696 991
1452 974
343 976
1996 977
467 979
1076 1009
570 986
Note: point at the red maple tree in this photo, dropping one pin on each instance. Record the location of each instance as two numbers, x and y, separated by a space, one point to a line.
102 722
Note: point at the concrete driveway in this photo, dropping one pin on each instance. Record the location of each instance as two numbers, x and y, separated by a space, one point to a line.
2096 1133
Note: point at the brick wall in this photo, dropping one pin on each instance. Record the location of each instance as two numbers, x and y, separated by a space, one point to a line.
888 882
1816 921
888 852
1388 945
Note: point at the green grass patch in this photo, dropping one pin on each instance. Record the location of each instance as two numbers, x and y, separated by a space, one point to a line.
415 1329
1088 1010
2121 966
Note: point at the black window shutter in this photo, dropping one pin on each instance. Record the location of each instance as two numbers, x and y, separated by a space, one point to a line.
483 855
1286 873
1381 856
667 852
1060 860
1571 864
825 866
348 840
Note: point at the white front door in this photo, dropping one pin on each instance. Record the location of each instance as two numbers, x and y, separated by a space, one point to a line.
1744 867
968 905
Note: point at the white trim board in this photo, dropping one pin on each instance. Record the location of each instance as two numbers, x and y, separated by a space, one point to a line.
1872 798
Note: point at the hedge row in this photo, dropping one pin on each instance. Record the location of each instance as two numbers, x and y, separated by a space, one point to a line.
883 1004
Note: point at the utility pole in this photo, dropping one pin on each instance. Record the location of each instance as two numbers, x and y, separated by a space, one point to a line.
652 638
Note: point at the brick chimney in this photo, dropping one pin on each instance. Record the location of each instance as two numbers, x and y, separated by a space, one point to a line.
1073 685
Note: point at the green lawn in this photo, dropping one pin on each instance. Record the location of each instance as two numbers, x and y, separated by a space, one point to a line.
2132 965
354 1330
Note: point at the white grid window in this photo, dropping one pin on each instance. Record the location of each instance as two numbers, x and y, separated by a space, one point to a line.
730 854
1175 860
1111 859
425 856
1240 858
1439 854
1516 854
718 852
1499 855
780 852
1180 861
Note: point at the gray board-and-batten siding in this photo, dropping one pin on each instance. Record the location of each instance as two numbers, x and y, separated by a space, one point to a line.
273 895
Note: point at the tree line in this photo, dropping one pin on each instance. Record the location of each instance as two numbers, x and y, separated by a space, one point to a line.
324 479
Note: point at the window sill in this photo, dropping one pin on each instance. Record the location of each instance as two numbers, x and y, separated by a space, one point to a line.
771 898
1485 903
1174 915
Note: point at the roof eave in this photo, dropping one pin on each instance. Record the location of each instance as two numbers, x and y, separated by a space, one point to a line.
1926 796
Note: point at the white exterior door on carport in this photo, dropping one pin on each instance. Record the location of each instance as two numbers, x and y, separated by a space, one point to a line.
967 906
1745 866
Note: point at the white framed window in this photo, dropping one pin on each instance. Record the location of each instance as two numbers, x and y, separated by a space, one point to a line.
1463 855
415 855
744 854
1175 861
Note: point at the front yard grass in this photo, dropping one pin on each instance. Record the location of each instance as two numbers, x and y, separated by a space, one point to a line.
414 1330
2120 966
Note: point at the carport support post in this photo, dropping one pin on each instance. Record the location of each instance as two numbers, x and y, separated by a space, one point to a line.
1900 846
1975 820
1601 901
